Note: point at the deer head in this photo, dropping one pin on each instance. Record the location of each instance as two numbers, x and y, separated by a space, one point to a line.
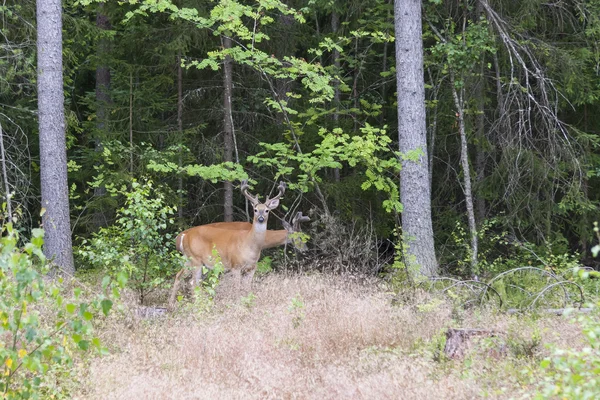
261 210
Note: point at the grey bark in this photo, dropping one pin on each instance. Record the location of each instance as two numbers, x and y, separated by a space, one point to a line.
53 150
480 156
131 123
335 23
464 159
415 192
103 79
227 129
5 176
180 130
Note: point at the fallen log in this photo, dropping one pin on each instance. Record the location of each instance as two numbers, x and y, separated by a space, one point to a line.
458 341
555 311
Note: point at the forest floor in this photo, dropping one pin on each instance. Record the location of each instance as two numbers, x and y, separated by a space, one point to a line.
319 337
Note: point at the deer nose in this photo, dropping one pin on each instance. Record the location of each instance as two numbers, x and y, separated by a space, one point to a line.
260 219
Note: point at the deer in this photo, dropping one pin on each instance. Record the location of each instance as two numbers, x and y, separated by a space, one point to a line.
238 244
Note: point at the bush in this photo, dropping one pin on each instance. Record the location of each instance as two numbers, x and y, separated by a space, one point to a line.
137 244
571 373
42 322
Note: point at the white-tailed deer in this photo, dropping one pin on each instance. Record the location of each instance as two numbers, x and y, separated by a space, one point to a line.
238 244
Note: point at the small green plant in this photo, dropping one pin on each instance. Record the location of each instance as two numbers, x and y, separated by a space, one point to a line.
249 301
296 308
137 243
528 345
43 323
264 266
211 279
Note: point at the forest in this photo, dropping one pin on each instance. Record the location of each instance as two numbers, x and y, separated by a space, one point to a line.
428 171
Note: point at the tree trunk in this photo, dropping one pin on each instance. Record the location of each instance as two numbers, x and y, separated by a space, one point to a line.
227 129
180 131
415 192
131 123
103 79
480 155
335 23
464 158
53 150
5 178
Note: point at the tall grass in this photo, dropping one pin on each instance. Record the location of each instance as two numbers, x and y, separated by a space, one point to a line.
313 337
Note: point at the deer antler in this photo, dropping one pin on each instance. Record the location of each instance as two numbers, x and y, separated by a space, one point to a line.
281 189
297 220
295 225
244 188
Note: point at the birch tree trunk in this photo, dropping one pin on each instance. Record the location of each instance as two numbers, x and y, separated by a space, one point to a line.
53 150
415 192
464 160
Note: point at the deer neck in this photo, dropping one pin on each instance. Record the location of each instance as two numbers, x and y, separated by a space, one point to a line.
256 236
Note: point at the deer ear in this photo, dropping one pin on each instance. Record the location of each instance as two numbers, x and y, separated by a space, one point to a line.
273 203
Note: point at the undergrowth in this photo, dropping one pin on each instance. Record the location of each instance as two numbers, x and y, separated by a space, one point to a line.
321 336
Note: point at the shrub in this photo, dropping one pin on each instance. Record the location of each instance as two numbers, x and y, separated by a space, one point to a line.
137 243
572 373
42 322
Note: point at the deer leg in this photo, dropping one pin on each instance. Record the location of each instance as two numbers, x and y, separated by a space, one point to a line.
247 279
236 277
173 297
197 276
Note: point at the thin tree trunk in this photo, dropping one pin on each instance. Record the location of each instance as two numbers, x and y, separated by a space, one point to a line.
131 123
355 86
53 149
480 156
384 69
227 129
415 192
180 131
335 22
433 127
464 158
5 176
103 80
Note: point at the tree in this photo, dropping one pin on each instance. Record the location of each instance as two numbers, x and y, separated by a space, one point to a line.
102 101
228 138
415 192
53 150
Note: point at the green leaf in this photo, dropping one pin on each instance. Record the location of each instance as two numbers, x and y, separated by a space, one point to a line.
106 306
84 344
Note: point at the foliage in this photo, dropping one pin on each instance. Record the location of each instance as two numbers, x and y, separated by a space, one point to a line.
574 373
138 244
43 323
264 265
297 310
500 252
369 151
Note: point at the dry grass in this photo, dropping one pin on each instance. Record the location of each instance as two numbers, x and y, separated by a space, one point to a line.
309 337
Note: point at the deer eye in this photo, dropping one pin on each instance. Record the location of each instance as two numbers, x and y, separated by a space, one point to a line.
256 210
266 211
